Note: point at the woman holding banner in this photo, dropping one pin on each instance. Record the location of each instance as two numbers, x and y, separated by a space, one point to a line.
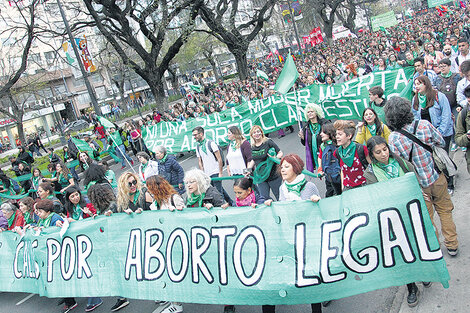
267 176
132 194
200 193
310 135
386 165
294 188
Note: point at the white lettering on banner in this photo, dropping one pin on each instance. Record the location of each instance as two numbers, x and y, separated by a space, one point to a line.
72 257
30 266
254 106
328 252
400 79
234 113
362 82
266 128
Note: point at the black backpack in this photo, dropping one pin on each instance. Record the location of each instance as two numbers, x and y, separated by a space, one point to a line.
212 151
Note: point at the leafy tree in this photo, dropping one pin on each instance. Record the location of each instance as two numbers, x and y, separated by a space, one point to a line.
224 18
165 26
18 20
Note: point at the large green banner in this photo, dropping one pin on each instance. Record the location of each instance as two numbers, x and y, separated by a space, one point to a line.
368 238
383 20
435 3
342 101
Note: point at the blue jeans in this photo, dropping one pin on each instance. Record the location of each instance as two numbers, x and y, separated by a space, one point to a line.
74 174
218 184
105 143
270 185
93 301
121 153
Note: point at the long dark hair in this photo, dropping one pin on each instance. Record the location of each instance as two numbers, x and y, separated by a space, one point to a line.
377 122
430 92
95 173
244 183
375 141
68 204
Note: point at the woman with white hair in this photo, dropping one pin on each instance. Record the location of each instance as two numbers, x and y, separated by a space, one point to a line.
14 217
200 192
310 135
170 169
147 166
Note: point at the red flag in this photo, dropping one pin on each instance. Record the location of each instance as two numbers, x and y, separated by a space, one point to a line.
269 55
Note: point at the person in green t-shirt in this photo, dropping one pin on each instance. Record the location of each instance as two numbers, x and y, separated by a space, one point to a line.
114 138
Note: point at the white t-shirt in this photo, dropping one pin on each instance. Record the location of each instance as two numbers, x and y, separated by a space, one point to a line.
210 163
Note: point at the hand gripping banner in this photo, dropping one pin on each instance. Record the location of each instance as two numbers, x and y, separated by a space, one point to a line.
368 238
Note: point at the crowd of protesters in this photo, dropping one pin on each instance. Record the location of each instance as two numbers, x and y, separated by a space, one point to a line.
394 137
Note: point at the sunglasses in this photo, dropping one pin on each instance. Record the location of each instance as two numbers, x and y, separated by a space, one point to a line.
132 183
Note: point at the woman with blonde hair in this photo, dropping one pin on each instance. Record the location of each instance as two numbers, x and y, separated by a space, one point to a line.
132 194
310 135
200 192
164 195
261 147
239 159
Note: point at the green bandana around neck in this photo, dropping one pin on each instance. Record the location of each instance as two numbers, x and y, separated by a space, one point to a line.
348 154
47 221
77 212
203 146
136 197
297 185
422 100
448 75
163 160
372 129
324 144
233 145
193 198
11 219
387 171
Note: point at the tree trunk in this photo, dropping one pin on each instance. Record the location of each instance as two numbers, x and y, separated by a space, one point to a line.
242 62
328 29
156 86
18 116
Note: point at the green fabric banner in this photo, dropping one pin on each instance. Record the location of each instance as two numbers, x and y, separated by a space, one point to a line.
435 3
342 101
383 20
368 238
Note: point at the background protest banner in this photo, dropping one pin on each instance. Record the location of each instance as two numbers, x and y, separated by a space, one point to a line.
435 3
368 238
385 20
342 101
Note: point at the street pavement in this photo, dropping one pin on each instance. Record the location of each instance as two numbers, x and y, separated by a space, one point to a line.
389 300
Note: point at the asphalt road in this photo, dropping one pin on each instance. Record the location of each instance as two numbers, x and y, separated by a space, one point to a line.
372 302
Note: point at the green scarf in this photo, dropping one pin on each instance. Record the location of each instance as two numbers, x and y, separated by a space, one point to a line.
35 181
144 166
47 221
263 169
85 166
77 212
410 62
448 75
11 219
315 129
372 129
50 197
233 145
296 187
163 160
66 155
387 171
348 154
28 219
203 146
422 100
136 197
323 144
192 199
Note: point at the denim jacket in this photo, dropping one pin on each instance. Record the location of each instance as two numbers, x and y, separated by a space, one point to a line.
440 113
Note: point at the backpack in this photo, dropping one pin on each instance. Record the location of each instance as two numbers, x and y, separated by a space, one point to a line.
330 165
15 186
212 151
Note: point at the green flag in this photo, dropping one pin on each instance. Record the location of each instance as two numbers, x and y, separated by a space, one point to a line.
384 30
196 88
261 74
82 145
106 124
288 76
